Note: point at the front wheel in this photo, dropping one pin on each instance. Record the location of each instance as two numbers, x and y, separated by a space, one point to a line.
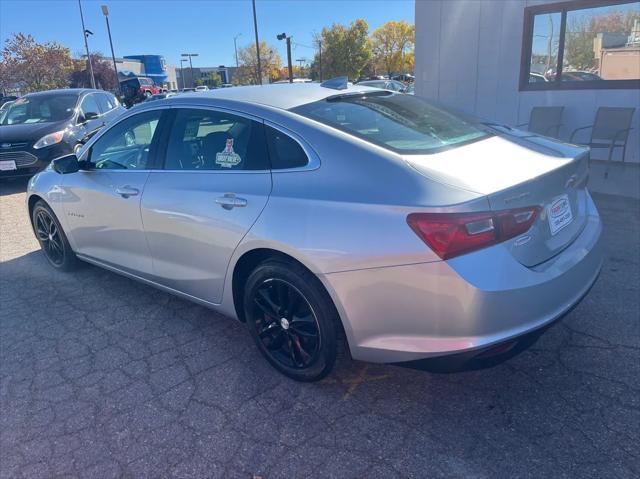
292 320
53 242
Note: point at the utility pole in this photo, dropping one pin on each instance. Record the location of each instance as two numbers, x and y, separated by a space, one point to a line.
301 62
283 36
320 57
182 60
255 27
86 34
235 47
105 11
193 83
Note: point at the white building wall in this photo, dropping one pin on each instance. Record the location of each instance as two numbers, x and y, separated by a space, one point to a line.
468 57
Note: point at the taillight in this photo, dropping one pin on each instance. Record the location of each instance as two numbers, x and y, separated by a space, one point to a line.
453 234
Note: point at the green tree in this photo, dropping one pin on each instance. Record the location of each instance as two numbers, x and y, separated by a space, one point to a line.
32 66
583 29
345 50
392 46
103 73
270 63
214 79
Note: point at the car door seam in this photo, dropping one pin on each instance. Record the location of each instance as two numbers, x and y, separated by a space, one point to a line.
226 274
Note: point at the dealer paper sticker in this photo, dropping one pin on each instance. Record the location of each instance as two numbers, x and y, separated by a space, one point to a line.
228 157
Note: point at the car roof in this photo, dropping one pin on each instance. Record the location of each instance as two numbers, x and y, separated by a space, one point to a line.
285 96
64 91
76 91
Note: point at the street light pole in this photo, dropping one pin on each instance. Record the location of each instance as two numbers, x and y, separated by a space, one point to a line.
86 46
284 36
255 28
235 47
105 11
193 83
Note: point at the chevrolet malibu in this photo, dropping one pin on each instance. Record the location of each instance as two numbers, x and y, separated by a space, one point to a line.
312 212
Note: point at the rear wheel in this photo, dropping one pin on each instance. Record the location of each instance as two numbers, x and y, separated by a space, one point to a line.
53 242
292 320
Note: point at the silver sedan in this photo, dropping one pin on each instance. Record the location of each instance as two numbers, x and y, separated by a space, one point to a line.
312 212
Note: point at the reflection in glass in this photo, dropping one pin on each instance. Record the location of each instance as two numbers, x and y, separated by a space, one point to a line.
544 47
602 44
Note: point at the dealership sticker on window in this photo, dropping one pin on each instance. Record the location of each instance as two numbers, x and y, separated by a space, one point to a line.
228 157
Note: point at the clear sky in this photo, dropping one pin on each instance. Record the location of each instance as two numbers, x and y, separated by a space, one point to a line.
207 27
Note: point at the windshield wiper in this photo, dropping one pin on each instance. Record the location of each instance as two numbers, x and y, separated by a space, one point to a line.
496 125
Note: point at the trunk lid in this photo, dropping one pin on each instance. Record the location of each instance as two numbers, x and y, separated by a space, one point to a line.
519 170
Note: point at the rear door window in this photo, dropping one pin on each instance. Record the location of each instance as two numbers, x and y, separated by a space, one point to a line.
203 139
104 102
284 151
90 105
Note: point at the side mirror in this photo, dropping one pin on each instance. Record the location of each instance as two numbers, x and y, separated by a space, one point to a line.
66 164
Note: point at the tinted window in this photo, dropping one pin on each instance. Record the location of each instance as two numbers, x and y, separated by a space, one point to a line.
395 86
107 101
374 84
40 109
90 105
127 144
211 140
402 123
284 151
103 102
602 44
599 45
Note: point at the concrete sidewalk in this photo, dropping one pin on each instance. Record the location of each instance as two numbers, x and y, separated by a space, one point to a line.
623 178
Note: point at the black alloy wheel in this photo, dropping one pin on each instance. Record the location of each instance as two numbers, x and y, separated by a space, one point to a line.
52 239
286 323
292 320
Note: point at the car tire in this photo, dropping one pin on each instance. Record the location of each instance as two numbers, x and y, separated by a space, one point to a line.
291 319
53 241
76 148
147 94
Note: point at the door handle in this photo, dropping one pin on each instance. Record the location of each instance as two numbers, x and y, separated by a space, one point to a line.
230 201
126 191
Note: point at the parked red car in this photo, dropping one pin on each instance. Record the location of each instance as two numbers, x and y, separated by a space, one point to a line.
137 89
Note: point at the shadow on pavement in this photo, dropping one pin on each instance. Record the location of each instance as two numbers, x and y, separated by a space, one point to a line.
142 383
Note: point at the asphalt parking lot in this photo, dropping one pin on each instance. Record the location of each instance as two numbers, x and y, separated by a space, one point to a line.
103 377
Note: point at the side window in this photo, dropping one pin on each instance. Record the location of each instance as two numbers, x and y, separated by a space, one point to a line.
90 105
213 140
103 102
284 151
126 145
113 101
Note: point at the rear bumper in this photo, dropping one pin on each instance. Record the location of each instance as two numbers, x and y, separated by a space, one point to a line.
412 312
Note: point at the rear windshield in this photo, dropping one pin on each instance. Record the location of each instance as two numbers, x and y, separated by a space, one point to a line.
402 123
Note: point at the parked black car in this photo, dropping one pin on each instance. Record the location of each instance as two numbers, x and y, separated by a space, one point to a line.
39 127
